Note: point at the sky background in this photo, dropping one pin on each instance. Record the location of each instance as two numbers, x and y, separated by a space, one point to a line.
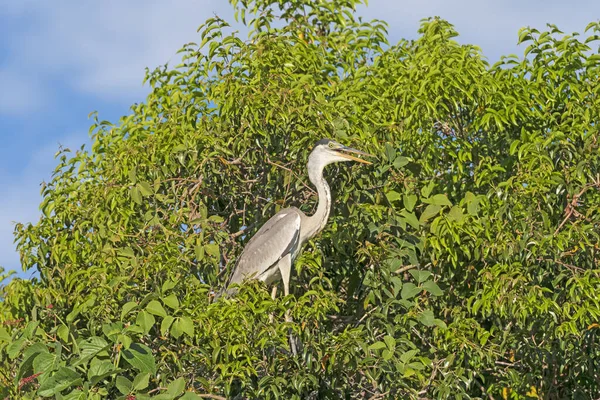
59 61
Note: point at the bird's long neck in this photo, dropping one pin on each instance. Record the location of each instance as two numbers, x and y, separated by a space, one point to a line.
317 221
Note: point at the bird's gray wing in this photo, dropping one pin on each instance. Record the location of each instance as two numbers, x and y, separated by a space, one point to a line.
276 238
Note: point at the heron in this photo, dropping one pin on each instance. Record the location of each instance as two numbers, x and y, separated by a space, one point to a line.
270 253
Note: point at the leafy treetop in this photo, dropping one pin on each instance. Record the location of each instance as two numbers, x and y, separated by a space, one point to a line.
463 264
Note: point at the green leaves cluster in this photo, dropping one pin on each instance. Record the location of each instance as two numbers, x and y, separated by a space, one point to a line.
463 264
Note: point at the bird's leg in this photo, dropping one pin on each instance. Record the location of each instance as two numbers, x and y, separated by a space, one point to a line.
273 294
285 267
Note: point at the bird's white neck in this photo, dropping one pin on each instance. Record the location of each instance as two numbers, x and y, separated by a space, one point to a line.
317 221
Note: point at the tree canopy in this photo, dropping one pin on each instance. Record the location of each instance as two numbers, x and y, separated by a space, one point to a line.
462 264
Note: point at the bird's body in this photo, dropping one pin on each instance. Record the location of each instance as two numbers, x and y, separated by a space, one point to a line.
283 232
270 253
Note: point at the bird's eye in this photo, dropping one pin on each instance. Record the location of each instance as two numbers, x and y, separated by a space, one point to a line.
331 145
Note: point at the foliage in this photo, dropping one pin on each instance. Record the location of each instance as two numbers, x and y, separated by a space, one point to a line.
463 264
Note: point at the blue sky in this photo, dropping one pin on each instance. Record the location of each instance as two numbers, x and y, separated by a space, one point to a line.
61 60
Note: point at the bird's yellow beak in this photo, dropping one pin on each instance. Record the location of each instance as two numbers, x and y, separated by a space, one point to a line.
344 150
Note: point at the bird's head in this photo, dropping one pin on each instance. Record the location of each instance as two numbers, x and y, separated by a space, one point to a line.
328 151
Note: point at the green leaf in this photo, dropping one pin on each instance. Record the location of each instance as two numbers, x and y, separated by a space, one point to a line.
456 214
140 357
154 307
440 323
190 396
168 285
125 340
438 199
420 275
133 175
377 346
212 249
409 290
426 190
135 195
166 324
35 348
171 301
406 357
216 218
393 196
387 354
141 381
127 252
61 380
30 329
4 335
28 357
89 348
400 162
14 349
473 208
409 202
411 218
124 385
75 395
183 325
145 320
127 307
390 152
48 208
176 330
44 362
427 318
145 189
112 330
433 288
99 369
472 203
430 211
176 387
199 251
73 314
63 333
179 148
390 342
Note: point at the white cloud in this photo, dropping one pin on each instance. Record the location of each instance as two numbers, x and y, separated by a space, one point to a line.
97 48
492 25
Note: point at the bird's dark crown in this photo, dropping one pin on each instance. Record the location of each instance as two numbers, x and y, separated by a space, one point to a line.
323 142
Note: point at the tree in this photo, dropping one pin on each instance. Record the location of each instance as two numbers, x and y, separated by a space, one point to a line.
463 264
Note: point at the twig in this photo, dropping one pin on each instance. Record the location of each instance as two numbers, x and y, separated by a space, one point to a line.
505 364
241 231
365 316
157 389
289 170
236 161
569 266
405 268
203 395
220 274
280 166
570 208
211 396
431 377
379 395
